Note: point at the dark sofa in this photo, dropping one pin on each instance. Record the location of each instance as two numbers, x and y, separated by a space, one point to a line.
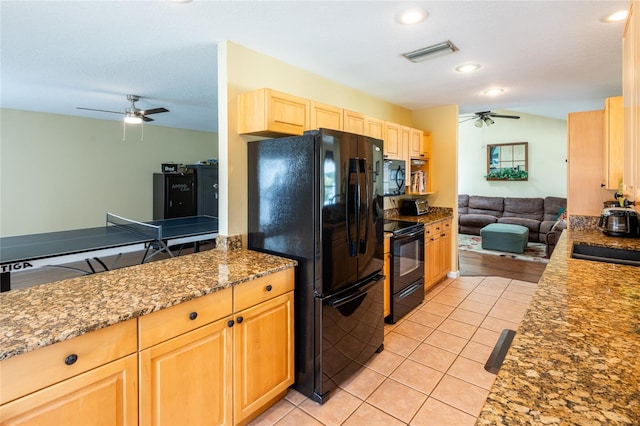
537 214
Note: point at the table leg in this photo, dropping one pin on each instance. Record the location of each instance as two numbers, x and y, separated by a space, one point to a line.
5 281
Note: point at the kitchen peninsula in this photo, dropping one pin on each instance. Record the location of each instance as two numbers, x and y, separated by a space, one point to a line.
574 359
150 333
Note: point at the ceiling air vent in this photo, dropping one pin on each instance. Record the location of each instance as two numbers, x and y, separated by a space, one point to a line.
426 52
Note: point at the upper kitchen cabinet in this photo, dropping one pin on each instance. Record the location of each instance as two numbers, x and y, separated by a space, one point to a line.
631 102
265 112
324 116
584 150
355 122
613 144
416 145
396 139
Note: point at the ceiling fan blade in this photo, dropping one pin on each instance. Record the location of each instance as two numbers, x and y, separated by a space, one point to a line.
153 111
505 116
100 110
467 119
145 118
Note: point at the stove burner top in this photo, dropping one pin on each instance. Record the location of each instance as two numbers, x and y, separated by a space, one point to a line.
400 226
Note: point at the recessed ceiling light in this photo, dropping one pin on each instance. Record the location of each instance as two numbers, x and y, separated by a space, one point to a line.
467 67
413 16
493 92
618 16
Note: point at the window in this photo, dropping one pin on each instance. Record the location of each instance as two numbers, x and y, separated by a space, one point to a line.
508 161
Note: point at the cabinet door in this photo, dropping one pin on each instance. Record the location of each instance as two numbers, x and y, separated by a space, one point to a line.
392 141
325 117
266 112
374 127
416 149
107 395
613 143
263 355
426 144
187 380
584 172
353 122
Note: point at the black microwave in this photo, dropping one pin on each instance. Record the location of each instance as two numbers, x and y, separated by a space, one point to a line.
394 177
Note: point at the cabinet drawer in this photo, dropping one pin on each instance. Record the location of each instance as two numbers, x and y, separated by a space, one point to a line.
170 322
261 289
43 367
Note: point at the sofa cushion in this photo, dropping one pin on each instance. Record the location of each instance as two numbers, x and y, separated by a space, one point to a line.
529 208
479 204
463 204
476 220
552 206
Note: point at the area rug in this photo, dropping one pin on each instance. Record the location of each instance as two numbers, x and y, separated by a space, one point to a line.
534 251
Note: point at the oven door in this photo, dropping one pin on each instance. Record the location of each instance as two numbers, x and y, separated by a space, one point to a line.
408 259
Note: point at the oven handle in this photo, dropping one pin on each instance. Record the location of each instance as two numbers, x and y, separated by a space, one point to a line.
407 291
405 236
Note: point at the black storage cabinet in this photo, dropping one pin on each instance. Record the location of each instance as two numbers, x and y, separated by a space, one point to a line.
174 195
206 188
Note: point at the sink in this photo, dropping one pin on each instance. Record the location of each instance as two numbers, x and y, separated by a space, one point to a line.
605 254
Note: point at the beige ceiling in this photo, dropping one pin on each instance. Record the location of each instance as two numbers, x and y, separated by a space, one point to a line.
551 57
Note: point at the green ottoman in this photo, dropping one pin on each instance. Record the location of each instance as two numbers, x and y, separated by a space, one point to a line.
505 237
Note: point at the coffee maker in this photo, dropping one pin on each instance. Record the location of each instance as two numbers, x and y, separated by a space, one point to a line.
619 222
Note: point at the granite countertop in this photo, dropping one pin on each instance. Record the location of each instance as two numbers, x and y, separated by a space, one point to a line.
574 359
38 316
435 214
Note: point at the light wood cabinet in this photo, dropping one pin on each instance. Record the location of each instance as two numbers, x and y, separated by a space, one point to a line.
353 122
93 376
395 138
263 356
387 276
325 116
374 127
613 161
437 252
585 194
416 146
266 112
263 343
186 363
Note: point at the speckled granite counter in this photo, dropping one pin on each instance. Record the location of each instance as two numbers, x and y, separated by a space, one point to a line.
435 214
575 358
38 316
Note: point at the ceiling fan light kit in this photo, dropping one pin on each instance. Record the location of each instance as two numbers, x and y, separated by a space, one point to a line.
430 51
133 114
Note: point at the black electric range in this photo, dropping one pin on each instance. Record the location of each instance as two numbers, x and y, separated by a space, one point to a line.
401 227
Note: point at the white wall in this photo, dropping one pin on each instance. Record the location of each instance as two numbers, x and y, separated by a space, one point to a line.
61 172
547 138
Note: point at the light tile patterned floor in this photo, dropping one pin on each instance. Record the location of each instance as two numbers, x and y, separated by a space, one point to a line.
431 371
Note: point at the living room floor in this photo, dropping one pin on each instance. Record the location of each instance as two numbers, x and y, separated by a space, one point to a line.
431 371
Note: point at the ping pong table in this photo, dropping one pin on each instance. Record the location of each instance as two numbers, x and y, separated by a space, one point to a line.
120 235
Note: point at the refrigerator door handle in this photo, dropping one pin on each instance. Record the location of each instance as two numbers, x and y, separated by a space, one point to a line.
362 291
363 241
352 243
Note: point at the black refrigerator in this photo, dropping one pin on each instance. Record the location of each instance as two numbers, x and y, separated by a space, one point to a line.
317 198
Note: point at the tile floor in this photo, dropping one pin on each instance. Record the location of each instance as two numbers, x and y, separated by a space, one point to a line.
431 371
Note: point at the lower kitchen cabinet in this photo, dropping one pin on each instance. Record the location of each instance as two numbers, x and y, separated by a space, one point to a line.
263 356
187 380
90 379
437 253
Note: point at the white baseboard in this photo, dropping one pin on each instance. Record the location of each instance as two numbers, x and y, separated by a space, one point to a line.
453 274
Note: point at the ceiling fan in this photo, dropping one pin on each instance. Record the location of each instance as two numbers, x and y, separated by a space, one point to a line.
133 114
484 117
